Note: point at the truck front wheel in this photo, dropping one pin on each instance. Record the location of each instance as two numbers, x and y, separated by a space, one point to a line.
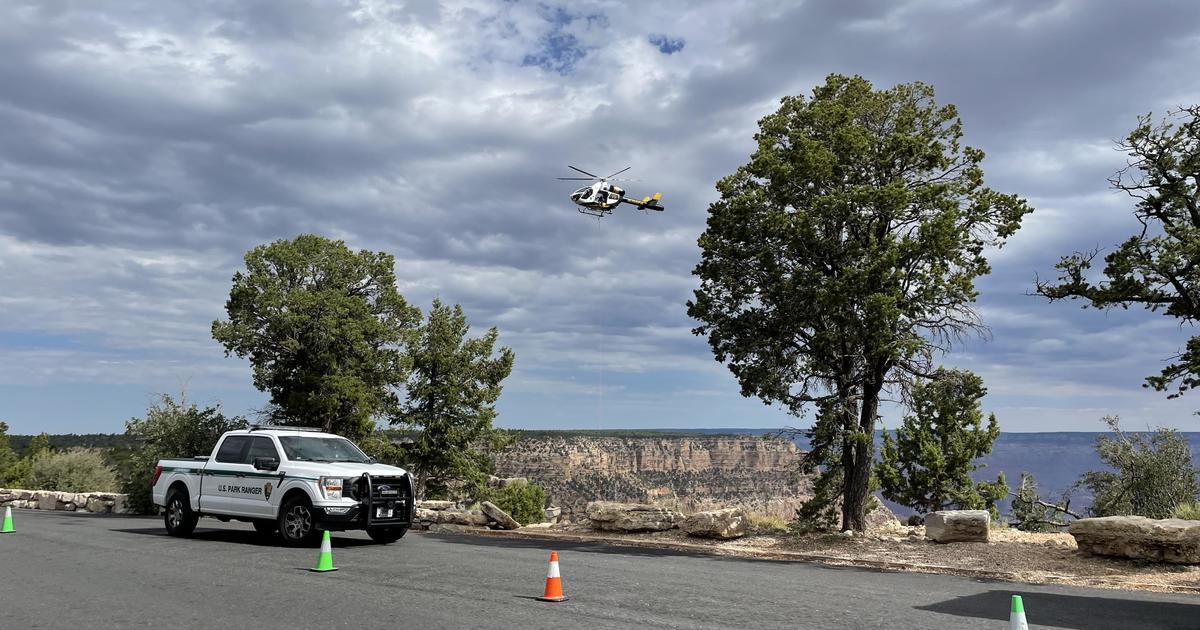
297 526
387 535
178 515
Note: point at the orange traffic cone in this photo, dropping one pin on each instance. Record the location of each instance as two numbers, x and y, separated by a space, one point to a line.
554 592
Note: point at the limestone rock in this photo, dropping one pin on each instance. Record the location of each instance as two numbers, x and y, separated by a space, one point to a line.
958 526
461 517
435 505
499 516
121 505
1174 541
97 505
631 517
727 523
552 514
47 500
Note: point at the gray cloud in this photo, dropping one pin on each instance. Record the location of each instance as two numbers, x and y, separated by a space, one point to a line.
148 145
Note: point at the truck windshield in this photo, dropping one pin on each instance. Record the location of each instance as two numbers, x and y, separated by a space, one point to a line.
315 449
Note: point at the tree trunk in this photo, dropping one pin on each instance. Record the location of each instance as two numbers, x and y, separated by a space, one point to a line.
861 440
849 411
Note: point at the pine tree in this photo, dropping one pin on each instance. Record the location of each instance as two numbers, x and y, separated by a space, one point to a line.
928 464
452 392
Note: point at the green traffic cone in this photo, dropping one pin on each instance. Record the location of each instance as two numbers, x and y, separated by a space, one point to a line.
325 560
1016 617
7 528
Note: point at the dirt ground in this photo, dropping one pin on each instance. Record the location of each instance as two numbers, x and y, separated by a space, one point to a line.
1010 555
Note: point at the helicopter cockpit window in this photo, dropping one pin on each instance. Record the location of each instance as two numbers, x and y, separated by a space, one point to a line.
586 193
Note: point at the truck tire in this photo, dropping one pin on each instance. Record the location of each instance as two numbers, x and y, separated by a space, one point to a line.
178 515
297 525
265 527
387 535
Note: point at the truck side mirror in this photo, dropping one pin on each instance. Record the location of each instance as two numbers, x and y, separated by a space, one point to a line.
266 463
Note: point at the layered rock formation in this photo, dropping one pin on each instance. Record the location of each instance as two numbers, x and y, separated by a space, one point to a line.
688 473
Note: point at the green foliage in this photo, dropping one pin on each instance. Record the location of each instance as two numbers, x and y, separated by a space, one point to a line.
845 253
323 328
928 464
70 471
1151 473
451 397
524 501
39 445
12 469
1156 267
171 430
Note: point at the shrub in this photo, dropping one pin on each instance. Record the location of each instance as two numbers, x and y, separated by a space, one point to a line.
171 429
524 501
1189 511
1151 473
767 524
71 471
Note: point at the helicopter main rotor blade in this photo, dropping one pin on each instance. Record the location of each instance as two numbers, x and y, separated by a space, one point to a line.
584 179
618 172
582 171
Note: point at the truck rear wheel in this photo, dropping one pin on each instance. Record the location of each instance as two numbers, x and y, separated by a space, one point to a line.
178 515
297 526
387 535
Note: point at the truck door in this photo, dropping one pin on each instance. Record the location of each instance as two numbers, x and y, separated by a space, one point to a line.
255 501
221 475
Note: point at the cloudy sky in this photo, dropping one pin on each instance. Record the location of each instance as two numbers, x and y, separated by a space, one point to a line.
145 146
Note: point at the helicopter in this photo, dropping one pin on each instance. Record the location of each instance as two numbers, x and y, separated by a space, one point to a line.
599 199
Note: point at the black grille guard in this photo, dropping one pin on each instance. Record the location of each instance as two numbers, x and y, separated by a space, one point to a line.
395 492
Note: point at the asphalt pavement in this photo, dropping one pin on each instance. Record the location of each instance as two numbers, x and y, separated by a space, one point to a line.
65 570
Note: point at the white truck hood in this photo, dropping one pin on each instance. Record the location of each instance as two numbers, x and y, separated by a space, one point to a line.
340 469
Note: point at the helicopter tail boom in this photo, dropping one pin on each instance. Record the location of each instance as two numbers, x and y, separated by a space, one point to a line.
646 203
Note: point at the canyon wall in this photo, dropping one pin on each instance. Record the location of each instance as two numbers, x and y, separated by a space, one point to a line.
691 473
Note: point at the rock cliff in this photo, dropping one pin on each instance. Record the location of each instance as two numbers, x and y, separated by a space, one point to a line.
691 473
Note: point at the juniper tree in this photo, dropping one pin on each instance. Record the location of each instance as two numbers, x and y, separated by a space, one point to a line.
843 256
928 463
324 329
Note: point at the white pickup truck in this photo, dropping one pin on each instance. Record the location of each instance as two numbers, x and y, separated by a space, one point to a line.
296 481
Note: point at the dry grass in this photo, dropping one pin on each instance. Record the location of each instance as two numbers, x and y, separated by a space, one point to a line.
766 524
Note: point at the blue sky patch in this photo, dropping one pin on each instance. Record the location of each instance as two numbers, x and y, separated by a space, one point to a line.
559 53
667 45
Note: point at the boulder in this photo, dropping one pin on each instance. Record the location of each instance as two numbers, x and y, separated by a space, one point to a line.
500 517
726 523
97 505
552 514
461 517
47 500
1173 540
121 505
631 517
435 505
958 526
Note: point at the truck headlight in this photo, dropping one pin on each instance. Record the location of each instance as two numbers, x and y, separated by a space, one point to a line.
331 487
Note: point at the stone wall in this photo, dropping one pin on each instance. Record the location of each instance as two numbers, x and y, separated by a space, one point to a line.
97 502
